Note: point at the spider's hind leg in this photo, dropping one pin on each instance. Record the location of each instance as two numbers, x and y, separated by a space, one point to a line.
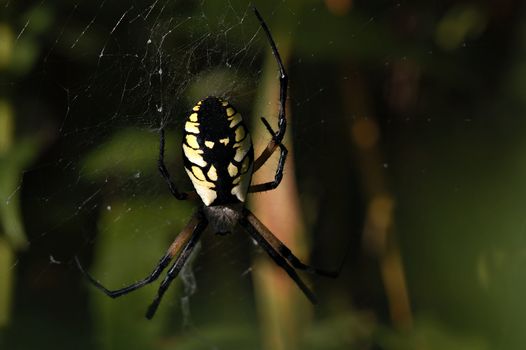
282 249
186 251
281 255
278 258
180 242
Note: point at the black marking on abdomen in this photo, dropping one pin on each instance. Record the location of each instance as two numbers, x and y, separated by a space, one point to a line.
213 123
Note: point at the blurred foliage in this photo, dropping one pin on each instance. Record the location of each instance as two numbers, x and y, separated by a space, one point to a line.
430 335
463 22
17 57
11 167
127 152
436 89
6 281
121 259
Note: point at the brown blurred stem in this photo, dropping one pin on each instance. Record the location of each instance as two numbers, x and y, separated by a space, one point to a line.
379 239
281 304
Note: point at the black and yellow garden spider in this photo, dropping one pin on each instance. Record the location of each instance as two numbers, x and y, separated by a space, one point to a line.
219 159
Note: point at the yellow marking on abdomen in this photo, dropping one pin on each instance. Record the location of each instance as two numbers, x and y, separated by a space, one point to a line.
204 189
212 173
191 140
241 185
240 133
192 127
198 173
234 120
232 170
242 148
194 155
230 111
245 165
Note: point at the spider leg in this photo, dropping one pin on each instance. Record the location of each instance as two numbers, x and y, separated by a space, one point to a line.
267 186
177 266
283 80
277 257
180 241
166 175
282 249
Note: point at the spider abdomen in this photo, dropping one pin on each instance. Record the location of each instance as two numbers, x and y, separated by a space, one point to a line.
218 153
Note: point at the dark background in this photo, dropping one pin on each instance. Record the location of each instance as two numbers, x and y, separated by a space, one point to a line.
408 163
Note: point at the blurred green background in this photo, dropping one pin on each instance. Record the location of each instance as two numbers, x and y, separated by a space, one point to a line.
407 124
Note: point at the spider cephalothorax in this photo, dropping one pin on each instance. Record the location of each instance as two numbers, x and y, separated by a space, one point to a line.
219 159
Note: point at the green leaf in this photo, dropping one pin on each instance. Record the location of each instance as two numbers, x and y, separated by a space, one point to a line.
12 165
6 281
127 151
133 236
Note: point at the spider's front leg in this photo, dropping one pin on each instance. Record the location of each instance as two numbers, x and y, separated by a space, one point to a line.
267 186
166 175
277 137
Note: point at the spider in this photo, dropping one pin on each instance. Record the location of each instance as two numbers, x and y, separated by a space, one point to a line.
219 159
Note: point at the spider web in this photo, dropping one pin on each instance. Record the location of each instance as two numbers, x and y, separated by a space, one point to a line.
123 71
391 103
120 71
